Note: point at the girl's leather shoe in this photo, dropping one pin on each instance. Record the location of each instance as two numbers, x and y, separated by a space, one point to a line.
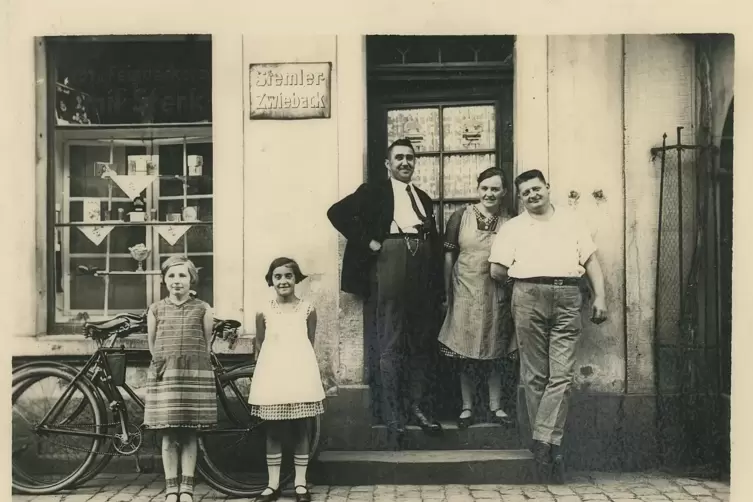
465 422
269 497
302 497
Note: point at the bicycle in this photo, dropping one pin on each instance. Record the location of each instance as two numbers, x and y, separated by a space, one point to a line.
89 417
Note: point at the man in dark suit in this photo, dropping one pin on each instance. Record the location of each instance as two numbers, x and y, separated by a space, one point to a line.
393 257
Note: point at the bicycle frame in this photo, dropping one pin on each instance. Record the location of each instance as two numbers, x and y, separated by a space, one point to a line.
101 378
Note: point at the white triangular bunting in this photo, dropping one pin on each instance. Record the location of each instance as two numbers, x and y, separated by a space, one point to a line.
171 233
133 184
96 234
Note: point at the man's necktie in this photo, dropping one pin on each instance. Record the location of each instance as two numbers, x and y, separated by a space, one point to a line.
414 203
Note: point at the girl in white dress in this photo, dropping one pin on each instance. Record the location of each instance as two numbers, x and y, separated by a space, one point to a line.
286 389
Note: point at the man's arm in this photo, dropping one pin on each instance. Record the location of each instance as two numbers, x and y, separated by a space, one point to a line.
498 272
596 278
346 215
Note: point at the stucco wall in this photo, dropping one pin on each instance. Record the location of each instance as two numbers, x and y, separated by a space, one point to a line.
586 173
290 178
659 96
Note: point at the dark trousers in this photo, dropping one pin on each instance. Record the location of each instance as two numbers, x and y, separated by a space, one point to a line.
403 309
548 325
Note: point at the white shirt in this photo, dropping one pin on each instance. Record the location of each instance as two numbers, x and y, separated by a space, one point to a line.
558 247
403 216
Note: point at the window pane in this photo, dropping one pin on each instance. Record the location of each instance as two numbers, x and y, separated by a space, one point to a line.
88 292
426 175
461 171
132 82
469 128
171 164
451 207
420 125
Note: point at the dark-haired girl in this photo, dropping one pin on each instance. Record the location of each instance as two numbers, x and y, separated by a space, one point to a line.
286 390
477 330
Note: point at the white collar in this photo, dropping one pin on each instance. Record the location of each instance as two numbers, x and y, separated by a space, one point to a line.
400 184
532 220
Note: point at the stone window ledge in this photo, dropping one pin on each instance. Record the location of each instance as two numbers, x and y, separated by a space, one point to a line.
78 345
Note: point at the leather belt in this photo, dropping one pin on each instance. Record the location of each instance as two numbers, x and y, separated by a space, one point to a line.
553 281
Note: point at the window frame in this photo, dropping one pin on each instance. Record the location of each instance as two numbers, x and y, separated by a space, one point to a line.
67 136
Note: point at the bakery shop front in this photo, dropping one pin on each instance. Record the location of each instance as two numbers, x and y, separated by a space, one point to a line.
230 150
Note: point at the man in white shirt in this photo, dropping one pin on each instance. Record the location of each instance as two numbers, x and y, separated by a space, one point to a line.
393 257
546 251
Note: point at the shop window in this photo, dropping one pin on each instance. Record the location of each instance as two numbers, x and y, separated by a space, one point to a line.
132 170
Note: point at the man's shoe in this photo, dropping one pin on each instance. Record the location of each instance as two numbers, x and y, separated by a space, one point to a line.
431 427
542 457
558 465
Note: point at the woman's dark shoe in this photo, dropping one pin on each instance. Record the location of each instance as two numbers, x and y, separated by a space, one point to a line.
268 497
500 417
302 497
465 422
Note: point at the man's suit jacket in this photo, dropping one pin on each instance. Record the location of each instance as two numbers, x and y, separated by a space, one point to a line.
366 215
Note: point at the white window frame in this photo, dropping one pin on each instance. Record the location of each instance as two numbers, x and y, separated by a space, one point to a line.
153 137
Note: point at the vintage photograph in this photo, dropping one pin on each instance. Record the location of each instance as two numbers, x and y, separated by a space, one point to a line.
377 268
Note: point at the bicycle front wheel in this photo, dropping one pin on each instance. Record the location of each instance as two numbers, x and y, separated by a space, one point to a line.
50 456
233 455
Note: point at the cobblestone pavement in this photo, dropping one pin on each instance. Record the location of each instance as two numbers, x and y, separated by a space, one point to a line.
611 487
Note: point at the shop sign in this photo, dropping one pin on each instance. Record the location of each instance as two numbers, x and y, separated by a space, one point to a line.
286 91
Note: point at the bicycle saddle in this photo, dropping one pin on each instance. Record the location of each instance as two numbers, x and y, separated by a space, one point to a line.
226 329
120 325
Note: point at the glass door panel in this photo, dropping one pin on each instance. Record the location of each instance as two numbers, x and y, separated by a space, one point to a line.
469 128
420 125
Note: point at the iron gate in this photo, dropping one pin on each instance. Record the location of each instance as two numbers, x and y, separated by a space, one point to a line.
687 346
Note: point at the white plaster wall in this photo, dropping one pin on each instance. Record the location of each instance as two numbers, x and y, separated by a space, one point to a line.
290 178
659 96
585 156
530 106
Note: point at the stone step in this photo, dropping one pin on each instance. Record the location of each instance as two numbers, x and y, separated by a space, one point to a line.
481 436
423 467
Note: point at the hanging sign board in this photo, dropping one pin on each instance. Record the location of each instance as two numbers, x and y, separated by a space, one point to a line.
285 91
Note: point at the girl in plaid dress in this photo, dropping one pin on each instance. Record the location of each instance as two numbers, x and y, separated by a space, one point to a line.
181 395
286 390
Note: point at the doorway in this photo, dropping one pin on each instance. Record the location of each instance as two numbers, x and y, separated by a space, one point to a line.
452 96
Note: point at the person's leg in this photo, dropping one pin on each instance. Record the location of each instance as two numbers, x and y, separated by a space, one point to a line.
170 463
390 314
274 454
301 453
188 455
566 327
530 307
420 337
466 390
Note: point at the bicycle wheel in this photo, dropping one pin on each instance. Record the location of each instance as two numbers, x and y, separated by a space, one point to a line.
233 455
104 455
46 461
